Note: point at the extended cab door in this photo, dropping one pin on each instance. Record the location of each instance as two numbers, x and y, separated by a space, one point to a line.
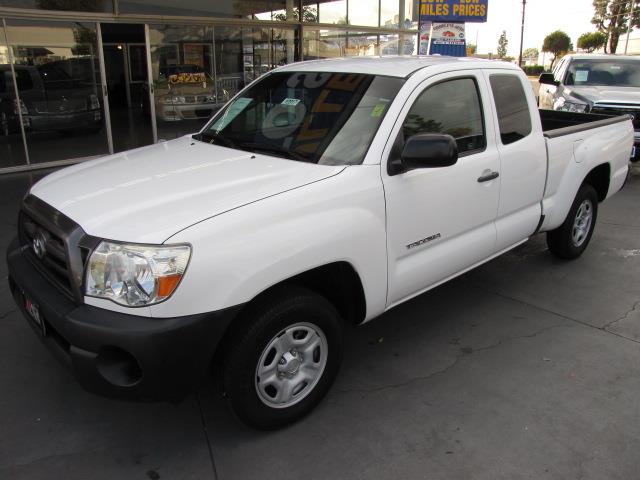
440 221
523 155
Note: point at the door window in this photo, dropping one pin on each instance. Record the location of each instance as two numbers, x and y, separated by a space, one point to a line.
514 117
451 107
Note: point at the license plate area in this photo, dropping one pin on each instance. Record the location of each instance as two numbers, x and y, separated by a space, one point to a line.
33 311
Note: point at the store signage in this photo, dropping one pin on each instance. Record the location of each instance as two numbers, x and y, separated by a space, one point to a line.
187 78
453 10
448 34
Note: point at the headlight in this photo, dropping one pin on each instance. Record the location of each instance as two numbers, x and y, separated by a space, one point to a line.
21 106
171 99
93 101
566 106
135 275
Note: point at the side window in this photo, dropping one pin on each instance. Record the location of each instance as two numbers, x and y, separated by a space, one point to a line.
23 79
3 82
451 107
514 117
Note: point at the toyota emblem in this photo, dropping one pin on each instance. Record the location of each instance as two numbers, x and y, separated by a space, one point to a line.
39 244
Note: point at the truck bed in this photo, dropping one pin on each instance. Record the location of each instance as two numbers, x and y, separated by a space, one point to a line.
556 123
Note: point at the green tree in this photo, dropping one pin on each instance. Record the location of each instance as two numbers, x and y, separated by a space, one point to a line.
557 43
611 17
471 48
591 41
531 54
502 44
309 14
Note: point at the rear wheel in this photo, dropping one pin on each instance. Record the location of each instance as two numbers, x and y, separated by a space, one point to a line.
282 358
570 239
4 125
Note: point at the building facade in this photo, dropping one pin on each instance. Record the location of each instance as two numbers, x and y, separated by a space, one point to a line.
85 78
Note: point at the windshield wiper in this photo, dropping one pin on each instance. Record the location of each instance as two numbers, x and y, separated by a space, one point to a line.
211 138
272 148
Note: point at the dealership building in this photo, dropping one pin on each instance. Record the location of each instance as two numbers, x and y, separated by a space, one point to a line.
85 78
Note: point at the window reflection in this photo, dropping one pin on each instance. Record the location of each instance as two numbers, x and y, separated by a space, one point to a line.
197 69
57 75
363 12
361 44
71 5
11 145
389 13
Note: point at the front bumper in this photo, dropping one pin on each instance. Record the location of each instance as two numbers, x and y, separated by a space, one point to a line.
68 121
186 111
116 354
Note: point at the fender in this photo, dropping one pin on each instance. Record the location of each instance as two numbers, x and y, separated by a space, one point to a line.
240 254
572 157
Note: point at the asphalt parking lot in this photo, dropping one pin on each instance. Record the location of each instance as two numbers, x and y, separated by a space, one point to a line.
527 367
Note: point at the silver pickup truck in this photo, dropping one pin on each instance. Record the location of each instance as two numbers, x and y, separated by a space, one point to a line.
603 84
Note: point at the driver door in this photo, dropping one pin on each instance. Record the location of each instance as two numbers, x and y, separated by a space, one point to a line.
441 221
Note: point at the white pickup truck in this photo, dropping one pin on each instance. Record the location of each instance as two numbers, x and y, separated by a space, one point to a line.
325 192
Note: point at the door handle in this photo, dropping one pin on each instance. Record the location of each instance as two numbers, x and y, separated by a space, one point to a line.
488 177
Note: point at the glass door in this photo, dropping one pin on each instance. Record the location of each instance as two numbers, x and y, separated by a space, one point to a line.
127 85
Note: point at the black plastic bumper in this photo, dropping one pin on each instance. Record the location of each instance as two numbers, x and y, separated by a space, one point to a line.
116 354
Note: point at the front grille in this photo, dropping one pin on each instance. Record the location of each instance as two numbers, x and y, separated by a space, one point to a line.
55 244
53 258
619 109
61 106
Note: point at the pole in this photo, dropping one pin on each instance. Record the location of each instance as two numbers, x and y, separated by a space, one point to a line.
626 45
524 3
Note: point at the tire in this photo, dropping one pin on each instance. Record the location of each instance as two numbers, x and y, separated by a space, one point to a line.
570 239
5 129
282 357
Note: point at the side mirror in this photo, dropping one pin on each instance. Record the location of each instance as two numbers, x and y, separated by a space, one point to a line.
548 79
426 150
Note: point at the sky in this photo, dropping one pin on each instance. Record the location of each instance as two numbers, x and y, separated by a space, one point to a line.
542 17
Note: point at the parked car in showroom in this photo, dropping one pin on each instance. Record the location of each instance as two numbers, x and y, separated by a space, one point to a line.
50 100
186 92
325 193
605 84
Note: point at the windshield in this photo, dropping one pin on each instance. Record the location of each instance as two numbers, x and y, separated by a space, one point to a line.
324 118
618 72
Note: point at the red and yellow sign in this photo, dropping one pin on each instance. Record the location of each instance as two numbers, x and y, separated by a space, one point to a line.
177 78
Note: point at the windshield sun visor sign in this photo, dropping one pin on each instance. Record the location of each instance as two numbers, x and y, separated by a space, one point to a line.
453 10
177 78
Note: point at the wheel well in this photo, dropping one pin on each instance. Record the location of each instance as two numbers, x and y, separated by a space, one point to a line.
339 283
599 179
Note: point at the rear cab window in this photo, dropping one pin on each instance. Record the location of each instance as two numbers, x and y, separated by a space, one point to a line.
512 108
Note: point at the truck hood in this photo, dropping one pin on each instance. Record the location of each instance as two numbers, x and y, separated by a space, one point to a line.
148 194
605 94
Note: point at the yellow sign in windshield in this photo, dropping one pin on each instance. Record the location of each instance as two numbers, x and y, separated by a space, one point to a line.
187 78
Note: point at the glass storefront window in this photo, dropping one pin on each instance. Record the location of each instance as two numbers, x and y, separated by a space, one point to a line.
60 95
363 12
102 6
196 8
361 44
11 144
185 93
331 12
389 44
389 13
197 69
319 44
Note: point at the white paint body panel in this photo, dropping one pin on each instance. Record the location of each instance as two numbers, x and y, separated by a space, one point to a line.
255 220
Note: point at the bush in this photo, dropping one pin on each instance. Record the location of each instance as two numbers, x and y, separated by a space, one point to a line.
533 70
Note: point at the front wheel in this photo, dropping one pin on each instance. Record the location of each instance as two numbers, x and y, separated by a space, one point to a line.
282 358
570 239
